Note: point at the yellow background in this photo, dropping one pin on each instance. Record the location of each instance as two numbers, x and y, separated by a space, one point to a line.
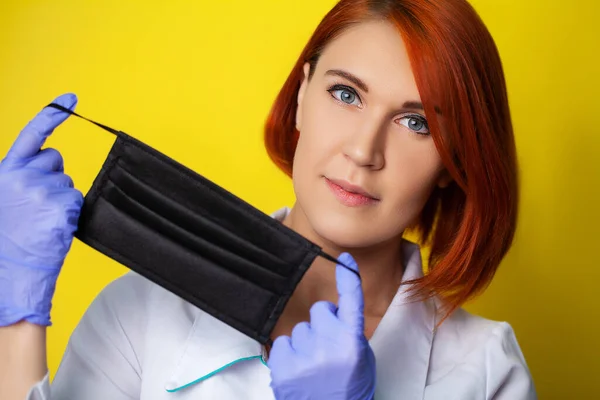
196 79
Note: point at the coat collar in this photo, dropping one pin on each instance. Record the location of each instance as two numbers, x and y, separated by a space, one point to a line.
402 342
211 347
403 339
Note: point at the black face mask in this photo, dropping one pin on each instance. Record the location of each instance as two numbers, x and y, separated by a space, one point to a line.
192 237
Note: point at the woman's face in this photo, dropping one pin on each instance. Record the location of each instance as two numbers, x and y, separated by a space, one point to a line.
365 163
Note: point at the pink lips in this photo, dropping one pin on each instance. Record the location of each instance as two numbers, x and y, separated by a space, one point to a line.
350 195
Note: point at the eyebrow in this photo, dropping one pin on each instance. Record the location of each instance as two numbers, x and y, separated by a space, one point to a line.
415 105
352 78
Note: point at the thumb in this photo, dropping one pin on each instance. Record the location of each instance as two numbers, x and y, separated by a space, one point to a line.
33 136
351 300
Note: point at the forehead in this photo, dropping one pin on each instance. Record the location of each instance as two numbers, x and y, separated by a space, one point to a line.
375 52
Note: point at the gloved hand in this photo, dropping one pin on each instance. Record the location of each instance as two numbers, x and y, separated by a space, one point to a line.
330 357
39 210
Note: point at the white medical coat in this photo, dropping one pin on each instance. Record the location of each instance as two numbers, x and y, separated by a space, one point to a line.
139 341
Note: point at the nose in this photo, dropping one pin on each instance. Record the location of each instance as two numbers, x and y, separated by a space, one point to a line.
365 147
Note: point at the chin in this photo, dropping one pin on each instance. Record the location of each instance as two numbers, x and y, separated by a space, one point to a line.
344 231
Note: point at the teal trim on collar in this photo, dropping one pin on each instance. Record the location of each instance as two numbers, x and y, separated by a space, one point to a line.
216 372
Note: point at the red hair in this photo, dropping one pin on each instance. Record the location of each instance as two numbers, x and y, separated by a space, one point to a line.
470 224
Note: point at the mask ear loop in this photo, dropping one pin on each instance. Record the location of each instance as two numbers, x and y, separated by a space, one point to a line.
335 261
106 128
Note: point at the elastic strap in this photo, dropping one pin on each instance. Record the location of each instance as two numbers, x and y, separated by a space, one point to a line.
333 260
106 128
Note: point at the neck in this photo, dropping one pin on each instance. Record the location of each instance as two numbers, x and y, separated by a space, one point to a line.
380 267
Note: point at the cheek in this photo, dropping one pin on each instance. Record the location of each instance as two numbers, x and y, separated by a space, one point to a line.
324 127
414 171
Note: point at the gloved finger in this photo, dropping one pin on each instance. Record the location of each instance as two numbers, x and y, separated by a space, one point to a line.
323 317
34 135
301 339
72 199
72 219
47 160
69 224
281 352
49 198
351 300
52 180
66 205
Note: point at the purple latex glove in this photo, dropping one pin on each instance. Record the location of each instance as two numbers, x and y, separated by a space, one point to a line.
39 210
330 357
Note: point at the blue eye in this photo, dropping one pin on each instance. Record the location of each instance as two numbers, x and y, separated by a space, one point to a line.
415 123
344 94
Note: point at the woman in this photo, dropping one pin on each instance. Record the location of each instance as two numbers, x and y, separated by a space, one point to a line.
395 118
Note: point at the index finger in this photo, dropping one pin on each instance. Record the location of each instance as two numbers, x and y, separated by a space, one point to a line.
351 298
33 136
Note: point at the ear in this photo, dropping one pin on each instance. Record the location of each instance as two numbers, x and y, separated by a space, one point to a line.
301 92
444 179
